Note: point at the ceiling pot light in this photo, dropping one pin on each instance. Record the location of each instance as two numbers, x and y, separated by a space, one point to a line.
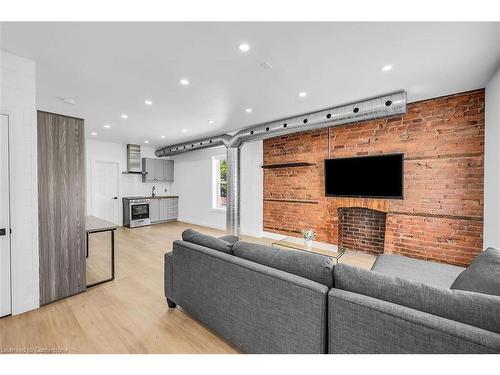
107 126
211 122
244 47
148 102
146 141
184 130
248 110
163 137
302 94
184 82
124 116
386 68
93 133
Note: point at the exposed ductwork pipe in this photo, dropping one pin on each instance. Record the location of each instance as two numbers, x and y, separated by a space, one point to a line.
369 109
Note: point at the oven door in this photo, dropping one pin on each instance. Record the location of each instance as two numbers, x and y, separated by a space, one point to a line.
139 211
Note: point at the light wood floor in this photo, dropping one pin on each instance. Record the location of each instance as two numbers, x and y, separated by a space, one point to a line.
129 314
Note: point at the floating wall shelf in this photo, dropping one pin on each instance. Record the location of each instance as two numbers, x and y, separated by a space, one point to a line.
288 165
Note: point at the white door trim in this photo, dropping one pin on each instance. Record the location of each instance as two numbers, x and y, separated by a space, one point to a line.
8 311
92 176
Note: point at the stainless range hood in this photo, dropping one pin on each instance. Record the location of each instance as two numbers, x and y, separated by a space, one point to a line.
134 165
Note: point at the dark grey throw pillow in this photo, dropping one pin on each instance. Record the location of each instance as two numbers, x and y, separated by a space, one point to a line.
190 235
483 275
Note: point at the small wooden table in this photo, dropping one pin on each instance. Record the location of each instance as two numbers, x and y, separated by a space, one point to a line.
94 224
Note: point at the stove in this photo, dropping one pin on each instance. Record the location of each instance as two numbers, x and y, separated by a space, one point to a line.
136 211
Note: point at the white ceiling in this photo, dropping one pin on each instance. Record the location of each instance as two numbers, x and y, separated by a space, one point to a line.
111 68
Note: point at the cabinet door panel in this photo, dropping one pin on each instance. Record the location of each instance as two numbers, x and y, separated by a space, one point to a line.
149 166
160 175
154 210
164 209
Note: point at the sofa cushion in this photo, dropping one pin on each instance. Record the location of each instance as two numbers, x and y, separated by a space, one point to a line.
311 266
190 235
483 275
478 310
431 273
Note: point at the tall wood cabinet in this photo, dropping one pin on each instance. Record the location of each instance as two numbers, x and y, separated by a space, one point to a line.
61 204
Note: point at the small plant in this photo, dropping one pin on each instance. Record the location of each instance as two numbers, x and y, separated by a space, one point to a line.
309 234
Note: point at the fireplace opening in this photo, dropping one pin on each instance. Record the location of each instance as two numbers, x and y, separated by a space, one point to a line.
361 229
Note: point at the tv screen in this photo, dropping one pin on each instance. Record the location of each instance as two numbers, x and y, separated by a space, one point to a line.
379 176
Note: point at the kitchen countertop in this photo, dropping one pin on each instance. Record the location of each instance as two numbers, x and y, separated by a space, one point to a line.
163 196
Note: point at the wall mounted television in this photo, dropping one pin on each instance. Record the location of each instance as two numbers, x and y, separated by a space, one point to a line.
378 176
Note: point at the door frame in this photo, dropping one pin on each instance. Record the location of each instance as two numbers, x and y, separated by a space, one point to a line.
92 177
9 189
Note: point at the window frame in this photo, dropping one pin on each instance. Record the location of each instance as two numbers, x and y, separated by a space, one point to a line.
216 182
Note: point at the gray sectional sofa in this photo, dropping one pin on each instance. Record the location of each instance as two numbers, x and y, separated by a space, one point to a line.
267 300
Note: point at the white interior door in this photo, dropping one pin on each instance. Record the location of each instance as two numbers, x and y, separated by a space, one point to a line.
5 288
105 202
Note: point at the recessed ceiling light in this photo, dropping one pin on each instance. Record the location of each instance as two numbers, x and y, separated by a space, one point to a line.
146 141
184 82
93 133
244 47
302 94
184 130
163 137
148 102
386 68
211 122
248 110
107 126
124 116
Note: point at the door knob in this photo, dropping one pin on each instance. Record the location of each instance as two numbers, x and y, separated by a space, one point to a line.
115 197
2 232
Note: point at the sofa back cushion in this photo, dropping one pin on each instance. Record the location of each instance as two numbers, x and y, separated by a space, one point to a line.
478 310
190 235
311 266
483 275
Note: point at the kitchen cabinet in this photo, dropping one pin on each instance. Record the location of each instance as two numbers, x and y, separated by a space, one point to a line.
157 170
154 210
149 168
164 209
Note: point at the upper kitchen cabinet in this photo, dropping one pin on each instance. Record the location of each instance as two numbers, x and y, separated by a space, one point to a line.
157 170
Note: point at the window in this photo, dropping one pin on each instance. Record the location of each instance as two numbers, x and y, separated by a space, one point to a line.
220 182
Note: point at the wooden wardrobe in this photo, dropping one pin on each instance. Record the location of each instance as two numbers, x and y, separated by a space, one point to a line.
61 206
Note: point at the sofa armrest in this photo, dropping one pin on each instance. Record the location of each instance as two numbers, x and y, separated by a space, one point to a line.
169 276
363 324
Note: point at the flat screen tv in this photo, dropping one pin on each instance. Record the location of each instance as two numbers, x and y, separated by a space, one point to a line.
379 176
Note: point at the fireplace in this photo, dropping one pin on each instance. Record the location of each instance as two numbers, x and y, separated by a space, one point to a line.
361 229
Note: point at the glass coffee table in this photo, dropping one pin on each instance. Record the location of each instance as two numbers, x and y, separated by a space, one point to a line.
316 247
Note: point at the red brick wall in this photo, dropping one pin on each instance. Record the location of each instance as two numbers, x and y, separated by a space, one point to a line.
361 229
441 216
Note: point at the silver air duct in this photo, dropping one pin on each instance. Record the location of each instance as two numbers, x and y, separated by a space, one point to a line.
369 109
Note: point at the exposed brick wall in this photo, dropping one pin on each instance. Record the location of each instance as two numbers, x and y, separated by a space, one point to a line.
441 216
361 229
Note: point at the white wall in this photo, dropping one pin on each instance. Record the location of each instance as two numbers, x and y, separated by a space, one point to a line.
492 164
17 100
128 184
193 183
